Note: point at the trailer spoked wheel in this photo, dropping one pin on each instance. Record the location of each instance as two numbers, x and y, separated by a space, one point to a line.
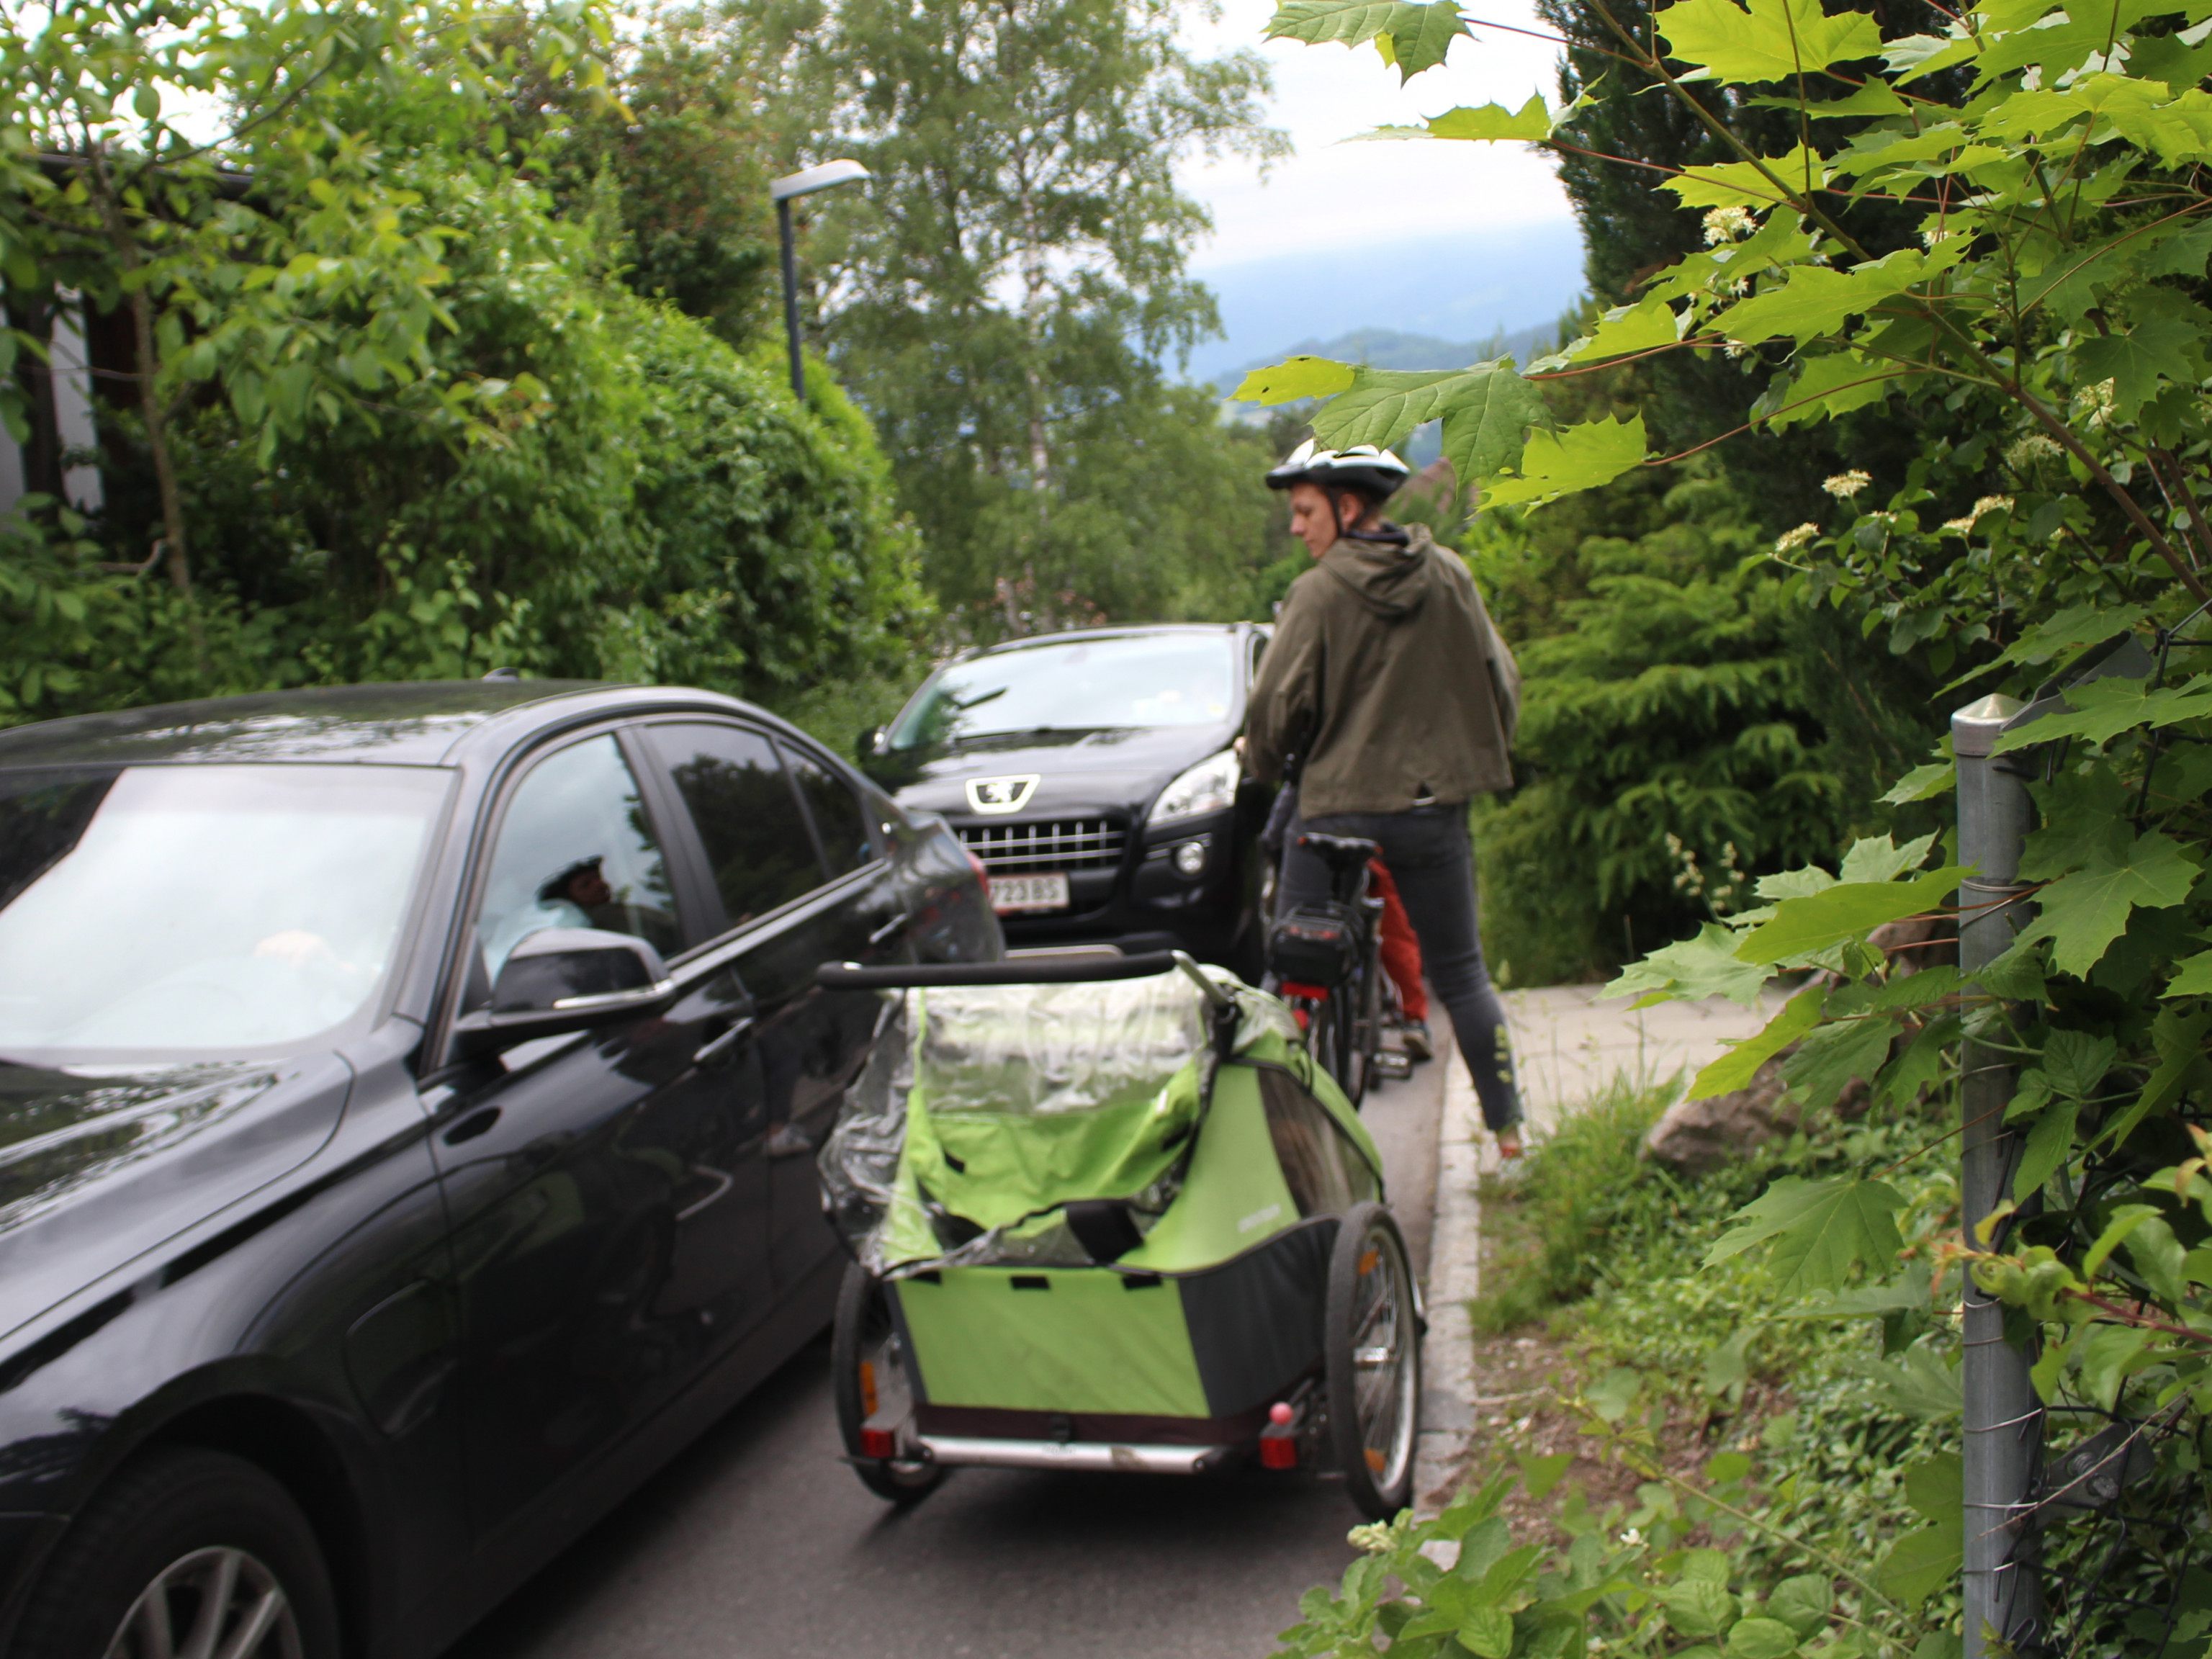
868 1371
1373 1360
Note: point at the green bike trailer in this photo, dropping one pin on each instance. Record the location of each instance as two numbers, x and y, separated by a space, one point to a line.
1106 1213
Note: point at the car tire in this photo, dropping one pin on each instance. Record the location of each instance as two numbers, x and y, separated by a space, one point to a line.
133 1577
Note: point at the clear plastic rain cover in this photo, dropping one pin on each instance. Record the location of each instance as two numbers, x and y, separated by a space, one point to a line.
982 1109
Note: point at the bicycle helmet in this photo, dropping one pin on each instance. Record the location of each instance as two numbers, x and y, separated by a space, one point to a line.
1374 473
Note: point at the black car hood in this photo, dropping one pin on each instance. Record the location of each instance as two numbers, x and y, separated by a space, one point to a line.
1079 773
98 1166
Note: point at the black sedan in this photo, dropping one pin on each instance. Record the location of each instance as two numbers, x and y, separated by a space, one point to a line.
408 1097
1092 773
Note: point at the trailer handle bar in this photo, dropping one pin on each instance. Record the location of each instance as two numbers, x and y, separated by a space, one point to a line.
1023 970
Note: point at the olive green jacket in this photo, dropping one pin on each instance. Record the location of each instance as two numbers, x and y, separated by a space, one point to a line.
1387 676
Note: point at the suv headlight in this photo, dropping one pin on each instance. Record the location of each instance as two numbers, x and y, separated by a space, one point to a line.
1208 786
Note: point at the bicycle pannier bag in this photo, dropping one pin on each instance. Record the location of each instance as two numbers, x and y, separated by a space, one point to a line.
1315 944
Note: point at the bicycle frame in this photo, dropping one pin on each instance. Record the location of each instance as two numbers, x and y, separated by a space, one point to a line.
1343 1026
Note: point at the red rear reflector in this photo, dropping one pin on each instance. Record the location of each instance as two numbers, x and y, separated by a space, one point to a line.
1278 1451
879 1442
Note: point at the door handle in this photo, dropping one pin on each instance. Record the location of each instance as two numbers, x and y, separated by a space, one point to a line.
476 1123
715 1047
896 922
719 1181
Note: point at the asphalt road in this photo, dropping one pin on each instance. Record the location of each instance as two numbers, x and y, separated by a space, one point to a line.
758 1541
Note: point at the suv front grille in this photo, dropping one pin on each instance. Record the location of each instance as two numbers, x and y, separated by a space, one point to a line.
1052 844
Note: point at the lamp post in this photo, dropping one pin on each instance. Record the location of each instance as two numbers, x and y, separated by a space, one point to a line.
782 191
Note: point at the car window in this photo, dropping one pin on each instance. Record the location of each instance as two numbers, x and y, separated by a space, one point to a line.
841 816
575 849
195 908
749 822
1107 683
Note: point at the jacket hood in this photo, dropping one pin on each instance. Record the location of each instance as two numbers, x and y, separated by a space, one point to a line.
1390 572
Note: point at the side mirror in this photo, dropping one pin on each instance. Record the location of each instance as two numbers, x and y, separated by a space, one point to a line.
869 745
566 979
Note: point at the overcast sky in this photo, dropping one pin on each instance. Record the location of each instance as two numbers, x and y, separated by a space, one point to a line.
1332 194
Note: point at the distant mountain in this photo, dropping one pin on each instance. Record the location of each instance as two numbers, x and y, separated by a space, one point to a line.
1459 285
1384 348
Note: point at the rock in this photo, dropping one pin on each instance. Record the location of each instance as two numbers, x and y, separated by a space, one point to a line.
1693 1136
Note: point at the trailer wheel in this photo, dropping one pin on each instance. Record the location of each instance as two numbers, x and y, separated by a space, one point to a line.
1372 1353
864 1360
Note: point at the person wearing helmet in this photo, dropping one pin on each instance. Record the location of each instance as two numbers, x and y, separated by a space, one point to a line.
1387 678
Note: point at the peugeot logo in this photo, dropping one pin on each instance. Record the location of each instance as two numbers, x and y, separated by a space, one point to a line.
995 797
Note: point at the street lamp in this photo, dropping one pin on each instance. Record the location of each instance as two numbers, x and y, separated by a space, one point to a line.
805 182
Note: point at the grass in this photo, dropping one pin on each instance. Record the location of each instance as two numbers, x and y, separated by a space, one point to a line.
1547 1223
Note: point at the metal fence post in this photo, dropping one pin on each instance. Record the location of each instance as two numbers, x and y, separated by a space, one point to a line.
2004 1418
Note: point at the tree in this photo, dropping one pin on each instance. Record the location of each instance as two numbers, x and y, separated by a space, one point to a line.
410 426
1633 230
106 192
1004 288
673 156
2044 334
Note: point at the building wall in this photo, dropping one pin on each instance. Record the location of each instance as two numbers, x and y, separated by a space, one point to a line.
72 383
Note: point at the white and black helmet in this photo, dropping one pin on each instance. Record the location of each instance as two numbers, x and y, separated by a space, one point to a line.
1374 473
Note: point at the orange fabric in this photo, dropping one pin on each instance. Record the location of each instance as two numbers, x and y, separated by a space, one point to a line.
1400 950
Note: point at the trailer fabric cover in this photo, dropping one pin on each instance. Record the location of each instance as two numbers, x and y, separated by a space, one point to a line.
981 1109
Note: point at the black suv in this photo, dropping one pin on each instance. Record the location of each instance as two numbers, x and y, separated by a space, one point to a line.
408 1103
1092 773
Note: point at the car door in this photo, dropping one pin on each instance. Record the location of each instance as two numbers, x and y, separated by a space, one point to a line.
862 917
609 1221
785 914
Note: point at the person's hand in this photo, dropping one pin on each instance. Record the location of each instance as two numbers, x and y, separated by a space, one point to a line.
1509 1142
297 948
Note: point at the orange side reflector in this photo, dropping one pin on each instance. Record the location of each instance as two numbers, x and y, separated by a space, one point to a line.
868 1384
1367 1260
1375 1460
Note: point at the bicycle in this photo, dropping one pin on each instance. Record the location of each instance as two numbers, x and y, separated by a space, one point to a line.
1325 960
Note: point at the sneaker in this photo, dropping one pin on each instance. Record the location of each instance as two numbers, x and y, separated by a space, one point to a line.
1414 1038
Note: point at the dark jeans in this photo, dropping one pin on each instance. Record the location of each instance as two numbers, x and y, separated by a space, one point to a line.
1432 861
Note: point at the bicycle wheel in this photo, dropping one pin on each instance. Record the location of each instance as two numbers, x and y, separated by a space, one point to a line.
1324 1037
1372 1354
1349 1063
865 1357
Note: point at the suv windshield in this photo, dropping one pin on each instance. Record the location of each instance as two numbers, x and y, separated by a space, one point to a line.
1077 685
201 907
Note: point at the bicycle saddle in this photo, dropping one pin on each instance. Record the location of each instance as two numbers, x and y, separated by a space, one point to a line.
1340 852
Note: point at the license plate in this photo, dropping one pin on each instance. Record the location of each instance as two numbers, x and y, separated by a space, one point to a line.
1010 893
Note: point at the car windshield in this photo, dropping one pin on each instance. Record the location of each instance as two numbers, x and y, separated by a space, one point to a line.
1079 685
200 908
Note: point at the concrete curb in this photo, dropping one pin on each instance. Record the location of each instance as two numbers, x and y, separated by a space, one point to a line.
1448 1383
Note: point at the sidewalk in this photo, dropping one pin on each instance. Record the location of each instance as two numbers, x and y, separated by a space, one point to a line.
1567 1045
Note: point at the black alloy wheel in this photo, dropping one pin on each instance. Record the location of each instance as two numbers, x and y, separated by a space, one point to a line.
1372 1357
867 1366
188 1554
